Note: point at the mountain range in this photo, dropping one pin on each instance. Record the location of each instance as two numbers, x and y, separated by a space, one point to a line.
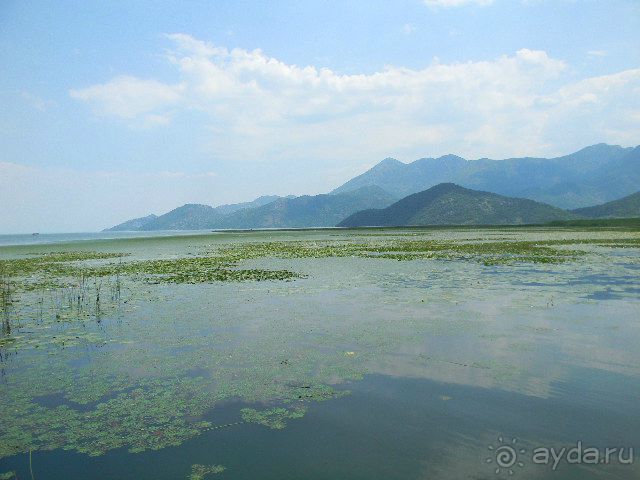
309 211
283 212
191 216
593 175
469 192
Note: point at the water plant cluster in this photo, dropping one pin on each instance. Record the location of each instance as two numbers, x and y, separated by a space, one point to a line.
54 269
484 251
199 269
173 338
275 418
200 472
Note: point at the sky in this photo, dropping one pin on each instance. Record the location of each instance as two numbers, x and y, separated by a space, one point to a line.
114 110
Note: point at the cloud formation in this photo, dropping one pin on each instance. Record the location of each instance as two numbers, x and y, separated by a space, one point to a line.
256 106
130 97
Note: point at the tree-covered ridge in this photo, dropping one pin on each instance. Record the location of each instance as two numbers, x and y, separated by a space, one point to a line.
626 207
450 204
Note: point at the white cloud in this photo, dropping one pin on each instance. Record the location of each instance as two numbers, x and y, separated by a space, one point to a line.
130 97
456 3
258 107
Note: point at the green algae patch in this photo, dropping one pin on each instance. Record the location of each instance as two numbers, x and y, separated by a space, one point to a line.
194 270
274 418
147 418
200 472
54 263
73 287
486 252
68 269
105 351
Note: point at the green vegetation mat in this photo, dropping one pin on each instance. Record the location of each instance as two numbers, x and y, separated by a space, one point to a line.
133 344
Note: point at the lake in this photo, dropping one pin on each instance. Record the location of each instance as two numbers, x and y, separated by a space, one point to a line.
444 353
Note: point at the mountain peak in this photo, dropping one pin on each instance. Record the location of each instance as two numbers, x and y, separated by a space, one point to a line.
600 145
599 149
389 162
193 207
444 188
450 157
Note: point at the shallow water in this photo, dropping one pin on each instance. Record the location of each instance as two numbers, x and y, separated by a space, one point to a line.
404 369
49 238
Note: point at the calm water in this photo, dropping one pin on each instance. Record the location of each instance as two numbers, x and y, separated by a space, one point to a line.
47 238
403 369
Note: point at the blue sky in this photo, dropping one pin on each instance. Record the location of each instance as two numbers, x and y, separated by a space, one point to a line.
112 110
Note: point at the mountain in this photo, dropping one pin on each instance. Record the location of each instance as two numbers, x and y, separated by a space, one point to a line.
266 212
626 207
595 174
309 211
133 224
450 204
191 216
258 202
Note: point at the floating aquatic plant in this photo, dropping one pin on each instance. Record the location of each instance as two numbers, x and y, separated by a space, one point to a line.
487 252
275 418
199 472
116 351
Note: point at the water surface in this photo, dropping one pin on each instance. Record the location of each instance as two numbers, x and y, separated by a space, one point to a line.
358 367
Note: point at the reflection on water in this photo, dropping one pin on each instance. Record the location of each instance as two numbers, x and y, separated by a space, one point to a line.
392 427
405 369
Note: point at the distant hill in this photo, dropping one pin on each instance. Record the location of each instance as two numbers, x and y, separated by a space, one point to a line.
309 211
266 212
626 207
595 174
450 204
133 224
191 216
